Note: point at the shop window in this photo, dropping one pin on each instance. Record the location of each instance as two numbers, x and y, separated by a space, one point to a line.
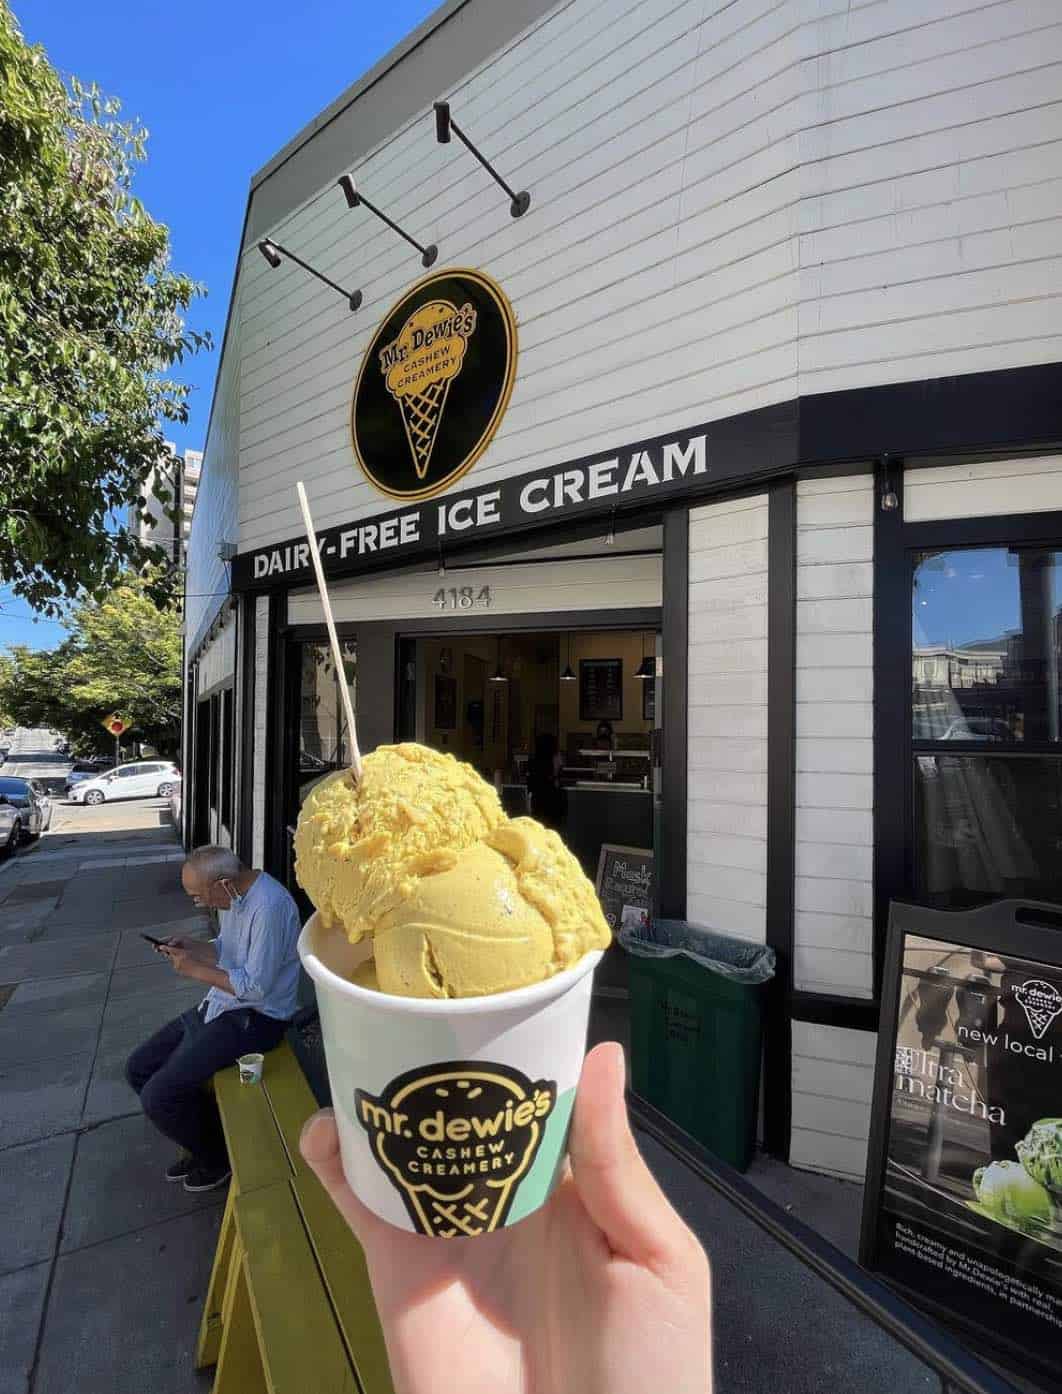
323 742
986 723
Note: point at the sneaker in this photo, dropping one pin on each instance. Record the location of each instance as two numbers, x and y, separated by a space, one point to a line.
179 1169
207 1178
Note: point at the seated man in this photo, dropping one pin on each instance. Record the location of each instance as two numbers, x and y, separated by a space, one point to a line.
252 968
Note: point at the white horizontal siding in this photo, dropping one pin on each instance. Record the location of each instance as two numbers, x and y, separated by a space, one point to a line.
986 490
605 583
727 717
215 518
217 662
833 1081
733 203
833 949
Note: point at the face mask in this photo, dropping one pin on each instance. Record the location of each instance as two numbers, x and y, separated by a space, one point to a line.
235 898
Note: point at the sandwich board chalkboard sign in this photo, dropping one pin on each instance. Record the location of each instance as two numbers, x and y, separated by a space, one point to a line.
962 1211
625 885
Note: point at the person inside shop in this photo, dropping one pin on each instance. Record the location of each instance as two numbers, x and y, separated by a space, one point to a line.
251 971
602 1291
548 799
604 737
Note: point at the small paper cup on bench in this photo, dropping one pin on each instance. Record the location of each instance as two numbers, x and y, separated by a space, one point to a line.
453 1114
250 1068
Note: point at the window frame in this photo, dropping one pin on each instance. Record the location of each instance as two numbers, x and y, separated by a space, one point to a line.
896 545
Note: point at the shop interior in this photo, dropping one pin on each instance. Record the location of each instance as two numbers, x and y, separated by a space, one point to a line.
564 723
561 723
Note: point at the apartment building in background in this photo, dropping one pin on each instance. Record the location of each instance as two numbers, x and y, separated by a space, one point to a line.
180 478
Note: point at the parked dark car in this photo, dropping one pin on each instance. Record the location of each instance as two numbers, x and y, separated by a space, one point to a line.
34 809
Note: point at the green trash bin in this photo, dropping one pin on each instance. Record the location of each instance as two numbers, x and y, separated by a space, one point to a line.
697 1007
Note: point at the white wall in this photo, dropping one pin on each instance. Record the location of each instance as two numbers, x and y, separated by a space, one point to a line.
833 930
833 1080
992 489
734 202
607 583
216 515
217 661
727 718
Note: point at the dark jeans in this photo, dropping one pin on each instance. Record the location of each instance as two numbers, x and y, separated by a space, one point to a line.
170 1070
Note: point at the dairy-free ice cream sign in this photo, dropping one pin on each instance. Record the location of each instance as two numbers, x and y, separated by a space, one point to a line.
455 1139
964 1190
434 384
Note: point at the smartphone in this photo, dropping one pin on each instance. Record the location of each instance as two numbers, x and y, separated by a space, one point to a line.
158 943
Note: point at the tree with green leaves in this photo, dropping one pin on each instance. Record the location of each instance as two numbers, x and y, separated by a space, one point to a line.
122 656
91 326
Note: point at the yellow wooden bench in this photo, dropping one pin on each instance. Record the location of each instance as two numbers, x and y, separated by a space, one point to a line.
289 1307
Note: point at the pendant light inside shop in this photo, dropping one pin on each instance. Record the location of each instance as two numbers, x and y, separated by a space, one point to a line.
568 675
498 675
647 667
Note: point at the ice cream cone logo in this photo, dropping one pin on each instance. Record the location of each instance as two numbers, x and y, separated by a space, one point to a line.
455 1139
433 384
1041 1002
419 366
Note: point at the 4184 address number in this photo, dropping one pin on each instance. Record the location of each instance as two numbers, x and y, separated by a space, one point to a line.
462 598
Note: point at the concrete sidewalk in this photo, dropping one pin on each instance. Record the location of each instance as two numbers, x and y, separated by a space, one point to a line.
103 1265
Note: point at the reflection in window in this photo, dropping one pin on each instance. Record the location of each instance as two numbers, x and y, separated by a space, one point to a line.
323 740
987 826
986 645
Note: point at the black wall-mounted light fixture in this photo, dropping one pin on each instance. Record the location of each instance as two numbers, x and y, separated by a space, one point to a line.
890 499
444 124
442 562
273 252
498 675
568 675
610 536
428 255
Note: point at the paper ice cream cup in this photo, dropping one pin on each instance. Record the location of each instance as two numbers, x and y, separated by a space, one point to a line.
453 1114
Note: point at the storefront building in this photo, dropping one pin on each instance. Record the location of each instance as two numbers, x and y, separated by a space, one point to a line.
730 471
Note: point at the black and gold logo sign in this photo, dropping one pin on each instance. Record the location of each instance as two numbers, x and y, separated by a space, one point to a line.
455 1139
434 384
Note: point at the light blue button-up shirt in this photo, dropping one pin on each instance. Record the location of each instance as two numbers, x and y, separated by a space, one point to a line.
257 949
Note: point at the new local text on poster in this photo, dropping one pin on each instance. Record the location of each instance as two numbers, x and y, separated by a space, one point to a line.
968 1191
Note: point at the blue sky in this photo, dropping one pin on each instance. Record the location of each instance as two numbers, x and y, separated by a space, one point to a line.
221 87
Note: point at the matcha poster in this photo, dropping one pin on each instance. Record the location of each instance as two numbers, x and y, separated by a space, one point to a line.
971 1202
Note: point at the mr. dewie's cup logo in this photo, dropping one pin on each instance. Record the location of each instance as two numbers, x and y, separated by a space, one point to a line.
434 384
1041 1002
455 1139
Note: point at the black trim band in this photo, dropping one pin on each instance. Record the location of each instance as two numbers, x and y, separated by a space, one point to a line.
781 806
671 856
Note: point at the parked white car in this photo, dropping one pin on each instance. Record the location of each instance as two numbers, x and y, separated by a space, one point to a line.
10 828
147 779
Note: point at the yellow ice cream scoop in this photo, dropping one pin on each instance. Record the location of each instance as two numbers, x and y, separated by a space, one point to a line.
360 847
510 911
460 900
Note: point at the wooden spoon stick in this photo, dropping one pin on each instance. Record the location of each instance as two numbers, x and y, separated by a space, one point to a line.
337 657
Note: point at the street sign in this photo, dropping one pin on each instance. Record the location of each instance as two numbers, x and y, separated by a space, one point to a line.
115 725
963 1204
